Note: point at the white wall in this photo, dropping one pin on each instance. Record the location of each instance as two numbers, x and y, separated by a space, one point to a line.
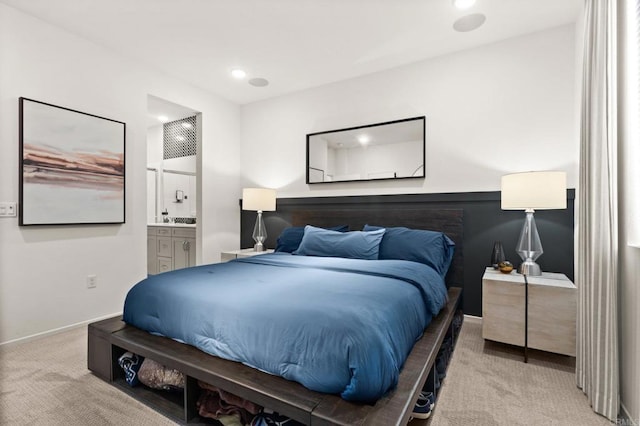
500 108
154 160
43 270
154 145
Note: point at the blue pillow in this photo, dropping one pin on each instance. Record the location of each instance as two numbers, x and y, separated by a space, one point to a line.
432 248
290 238
352 245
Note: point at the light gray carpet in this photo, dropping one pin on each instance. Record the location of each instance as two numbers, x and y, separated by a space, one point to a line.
489 384
46 382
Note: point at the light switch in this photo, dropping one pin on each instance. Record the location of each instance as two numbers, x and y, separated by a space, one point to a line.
8 209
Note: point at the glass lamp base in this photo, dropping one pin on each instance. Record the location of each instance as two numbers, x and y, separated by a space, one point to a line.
530 268
529 247
259 233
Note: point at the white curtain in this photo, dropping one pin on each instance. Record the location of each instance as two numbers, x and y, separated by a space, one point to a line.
597 239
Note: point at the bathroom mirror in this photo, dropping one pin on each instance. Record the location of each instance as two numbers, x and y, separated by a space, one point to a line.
390 150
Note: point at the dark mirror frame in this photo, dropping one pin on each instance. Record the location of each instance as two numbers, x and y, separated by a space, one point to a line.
423 118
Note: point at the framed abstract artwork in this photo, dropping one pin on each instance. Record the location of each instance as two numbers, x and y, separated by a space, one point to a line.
72 168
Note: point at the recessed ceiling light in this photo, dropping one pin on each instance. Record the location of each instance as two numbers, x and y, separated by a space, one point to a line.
463 4
469 22
163 118
180 138
259 82
238 73
187 125
363 139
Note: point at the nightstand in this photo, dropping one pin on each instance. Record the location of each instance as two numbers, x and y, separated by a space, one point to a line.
552 310
237 254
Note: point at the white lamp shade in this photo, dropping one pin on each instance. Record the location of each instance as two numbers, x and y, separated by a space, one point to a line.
259 199
534 190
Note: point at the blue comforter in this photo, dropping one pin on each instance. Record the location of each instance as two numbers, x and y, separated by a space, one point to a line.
341 326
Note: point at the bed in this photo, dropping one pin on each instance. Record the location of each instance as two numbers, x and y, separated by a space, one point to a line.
345 395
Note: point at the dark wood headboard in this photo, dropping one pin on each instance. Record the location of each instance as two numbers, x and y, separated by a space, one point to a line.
448 221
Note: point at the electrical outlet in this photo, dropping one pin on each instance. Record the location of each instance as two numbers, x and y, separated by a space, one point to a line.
92 281
7 209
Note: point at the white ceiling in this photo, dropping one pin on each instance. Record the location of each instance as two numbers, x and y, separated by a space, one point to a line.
295 44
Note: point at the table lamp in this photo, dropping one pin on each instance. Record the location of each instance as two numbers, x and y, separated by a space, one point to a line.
530 191
259 199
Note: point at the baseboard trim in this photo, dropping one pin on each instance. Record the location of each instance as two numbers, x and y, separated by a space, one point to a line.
625 417
473 319
37 336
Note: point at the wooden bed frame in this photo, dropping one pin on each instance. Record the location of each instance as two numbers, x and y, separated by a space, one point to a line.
110 338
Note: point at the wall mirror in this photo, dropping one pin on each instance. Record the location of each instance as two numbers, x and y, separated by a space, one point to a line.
391 150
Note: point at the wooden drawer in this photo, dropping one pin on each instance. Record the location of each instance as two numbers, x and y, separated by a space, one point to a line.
552 319
152 255
164 232
503 312
164 247
164 264
184 232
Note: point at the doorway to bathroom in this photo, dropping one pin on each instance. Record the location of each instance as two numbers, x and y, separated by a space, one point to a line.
173 131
